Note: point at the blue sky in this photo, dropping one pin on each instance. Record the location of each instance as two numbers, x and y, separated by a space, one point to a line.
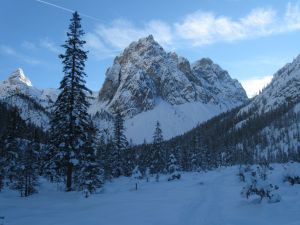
251 39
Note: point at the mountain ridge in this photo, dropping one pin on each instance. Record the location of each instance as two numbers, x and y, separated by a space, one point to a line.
144 72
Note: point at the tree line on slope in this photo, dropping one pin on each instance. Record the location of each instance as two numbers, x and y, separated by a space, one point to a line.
21 148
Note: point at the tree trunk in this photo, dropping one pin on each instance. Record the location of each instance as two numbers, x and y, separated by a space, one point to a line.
69 177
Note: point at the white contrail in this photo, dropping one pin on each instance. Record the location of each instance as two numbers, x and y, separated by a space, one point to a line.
68 10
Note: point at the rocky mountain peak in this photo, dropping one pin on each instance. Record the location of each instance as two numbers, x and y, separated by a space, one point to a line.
143 48
204 62
18 77
144 74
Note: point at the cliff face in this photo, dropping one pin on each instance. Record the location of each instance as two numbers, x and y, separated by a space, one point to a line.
144 74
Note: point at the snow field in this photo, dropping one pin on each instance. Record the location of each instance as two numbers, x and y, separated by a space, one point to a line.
211 198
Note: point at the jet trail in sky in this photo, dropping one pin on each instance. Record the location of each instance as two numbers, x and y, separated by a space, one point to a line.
68 10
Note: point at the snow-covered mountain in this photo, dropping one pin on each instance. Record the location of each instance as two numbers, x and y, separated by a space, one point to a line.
148 84
279 102
33 103
283 88
144 74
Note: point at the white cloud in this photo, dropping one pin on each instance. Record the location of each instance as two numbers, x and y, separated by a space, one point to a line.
7 50
49 45
106 40
202 28
121 33
29 45
97 48
205 28
195 29
254 85
292 16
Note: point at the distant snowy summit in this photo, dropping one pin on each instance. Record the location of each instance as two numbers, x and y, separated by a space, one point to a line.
34 104
18 77
144 74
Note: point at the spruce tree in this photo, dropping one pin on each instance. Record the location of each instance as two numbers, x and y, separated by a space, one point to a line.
158 161
27 169
70 122
129 158
120 145
157 136
105 154
90 174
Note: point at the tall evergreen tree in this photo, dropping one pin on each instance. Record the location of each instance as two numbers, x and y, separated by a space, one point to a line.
70 122
120 145
27 169
158 135
90 174
129 159
158 161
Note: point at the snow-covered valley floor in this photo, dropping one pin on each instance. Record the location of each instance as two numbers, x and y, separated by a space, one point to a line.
211 198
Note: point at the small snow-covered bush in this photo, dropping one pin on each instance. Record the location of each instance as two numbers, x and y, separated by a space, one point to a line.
174 177
137 175
292 179
173 168
292 173
147 174
243 170
257 184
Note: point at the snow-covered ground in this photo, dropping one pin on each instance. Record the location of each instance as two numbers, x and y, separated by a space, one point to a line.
211 198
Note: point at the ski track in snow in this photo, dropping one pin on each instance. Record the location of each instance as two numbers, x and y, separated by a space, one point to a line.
211 198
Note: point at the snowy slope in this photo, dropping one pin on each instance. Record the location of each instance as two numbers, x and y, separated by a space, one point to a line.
174 120
211 198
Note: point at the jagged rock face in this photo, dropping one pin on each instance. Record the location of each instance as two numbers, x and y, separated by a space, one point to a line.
222 88
283 88
144 73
